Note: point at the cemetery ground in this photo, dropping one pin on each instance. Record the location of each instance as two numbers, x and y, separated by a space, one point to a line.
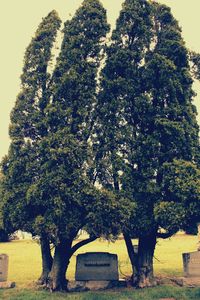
25 268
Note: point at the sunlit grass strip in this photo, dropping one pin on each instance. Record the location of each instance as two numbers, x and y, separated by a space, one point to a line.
25 258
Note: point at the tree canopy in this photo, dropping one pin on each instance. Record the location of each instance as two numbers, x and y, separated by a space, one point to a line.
145 120
48 161
108 140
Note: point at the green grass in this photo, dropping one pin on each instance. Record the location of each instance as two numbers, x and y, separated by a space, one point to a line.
123 294
25 268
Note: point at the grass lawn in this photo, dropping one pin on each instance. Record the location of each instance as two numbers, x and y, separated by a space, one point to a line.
25 268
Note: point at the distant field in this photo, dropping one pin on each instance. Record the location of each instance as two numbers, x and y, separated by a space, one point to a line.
25 267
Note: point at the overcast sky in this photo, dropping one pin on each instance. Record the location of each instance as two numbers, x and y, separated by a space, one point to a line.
19 20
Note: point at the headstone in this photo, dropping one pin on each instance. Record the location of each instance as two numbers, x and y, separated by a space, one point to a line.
191 264
198 234
135 247
3 267
97 266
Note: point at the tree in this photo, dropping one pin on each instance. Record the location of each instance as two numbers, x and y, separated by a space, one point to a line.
122 102
64 151
57 197
21 166
145 119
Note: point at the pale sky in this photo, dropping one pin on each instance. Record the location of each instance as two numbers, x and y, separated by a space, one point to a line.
19 20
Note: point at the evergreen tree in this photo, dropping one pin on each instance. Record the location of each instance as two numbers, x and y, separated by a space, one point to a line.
145 120
21 166
122 103
64 151
45 171
29 111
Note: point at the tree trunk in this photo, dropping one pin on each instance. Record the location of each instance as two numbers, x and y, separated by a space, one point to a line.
47 260
57 277
145 276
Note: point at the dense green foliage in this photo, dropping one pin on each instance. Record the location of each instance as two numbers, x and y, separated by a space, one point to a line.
145 120
146 116
21 166
181 181
67 200
130 128
45 187
45 171
28 114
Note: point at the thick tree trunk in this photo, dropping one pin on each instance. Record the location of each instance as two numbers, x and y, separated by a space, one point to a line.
57 277
142 262
47 260
145 276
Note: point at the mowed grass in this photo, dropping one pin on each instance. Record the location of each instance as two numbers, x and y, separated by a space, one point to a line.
25 268
123 294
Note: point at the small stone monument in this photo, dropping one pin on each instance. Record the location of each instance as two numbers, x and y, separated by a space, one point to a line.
198 228
96 271
191 261
3 267
135 247
99 266
4 272
191 264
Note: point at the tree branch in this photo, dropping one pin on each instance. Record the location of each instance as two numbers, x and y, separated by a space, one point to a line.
130 249
82 243
164 235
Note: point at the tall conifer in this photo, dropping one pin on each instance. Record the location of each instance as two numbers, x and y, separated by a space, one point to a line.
62 190
146 119
21 167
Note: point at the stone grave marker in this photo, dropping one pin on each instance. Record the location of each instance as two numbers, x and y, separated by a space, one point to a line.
3 267
135 247
97 266
4 284
198 235
191 264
